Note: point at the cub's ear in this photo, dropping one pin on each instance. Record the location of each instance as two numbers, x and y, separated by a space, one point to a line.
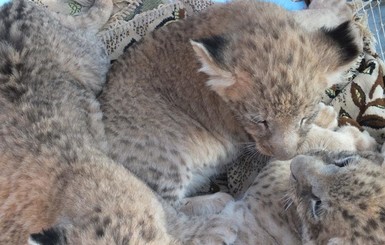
52 236
339 48
210 52
345 37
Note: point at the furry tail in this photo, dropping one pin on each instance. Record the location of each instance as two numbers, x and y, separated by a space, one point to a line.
93 20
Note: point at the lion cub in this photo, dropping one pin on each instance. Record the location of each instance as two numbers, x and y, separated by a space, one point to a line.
181 104
53 169
267 214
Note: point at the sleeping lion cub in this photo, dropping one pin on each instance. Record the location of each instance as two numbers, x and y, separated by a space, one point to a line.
183 102
53 169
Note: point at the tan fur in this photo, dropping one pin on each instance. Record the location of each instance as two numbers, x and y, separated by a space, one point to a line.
266 214
54 174
351 209
182 103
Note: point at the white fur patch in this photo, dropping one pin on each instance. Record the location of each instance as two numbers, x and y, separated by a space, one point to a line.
32 242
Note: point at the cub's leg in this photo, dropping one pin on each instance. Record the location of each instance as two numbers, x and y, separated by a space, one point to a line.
206 204
211 229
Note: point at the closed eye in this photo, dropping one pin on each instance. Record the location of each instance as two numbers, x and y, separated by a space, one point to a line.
343 162
264 123
303 121
260 122
316 207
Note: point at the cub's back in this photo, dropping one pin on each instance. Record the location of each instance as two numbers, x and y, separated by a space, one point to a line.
59 64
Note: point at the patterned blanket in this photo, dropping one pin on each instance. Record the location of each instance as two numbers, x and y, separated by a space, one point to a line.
359 98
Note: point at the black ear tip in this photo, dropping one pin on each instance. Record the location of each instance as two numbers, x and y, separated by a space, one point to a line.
214 45
46 237
344 36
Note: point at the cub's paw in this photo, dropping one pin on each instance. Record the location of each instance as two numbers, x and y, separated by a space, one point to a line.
216 230
362 140
338 8
326 117
221 228
206 204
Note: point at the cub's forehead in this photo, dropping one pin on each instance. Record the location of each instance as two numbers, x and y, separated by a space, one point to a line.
284 103
248 47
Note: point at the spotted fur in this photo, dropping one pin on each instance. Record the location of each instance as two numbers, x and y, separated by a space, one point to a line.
280 205
340 197
54 174
182 103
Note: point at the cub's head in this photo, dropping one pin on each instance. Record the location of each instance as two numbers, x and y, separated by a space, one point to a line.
340 197
271 72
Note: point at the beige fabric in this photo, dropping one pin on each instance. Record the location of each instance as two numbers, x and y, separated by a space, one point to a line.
120 33
132 19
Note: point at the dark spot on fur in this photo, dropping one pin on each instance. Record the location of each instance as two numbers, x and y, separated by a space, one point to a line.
148 234
99 231
361 184
251 45
170 198
126 239
13 92
267 46
162 148
174 152
107 221
153 186
289 59
372 224
130 159
281 23
291 23
347 216
156 174
275 35
302 39
162 158
6 68
95 219
139 146
172 134
167 189
382 215
342 35
363 206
